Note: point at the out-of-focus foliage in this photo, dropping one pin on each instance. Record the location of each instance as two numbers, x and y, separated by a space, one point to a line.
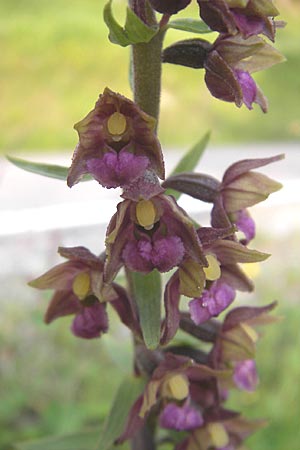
56 58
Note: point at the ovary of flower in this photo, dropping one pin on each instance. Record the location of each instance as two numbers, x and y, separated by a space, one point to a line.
116 125
218 435
81 285
177 387
213 271
145 214
250 332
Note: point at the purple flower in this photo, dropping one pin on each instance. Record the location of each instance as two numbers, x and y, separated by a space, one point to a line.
79 290
212 302
117 142
229 63
180 417
250 18
91 321
151 234
117 169
245 375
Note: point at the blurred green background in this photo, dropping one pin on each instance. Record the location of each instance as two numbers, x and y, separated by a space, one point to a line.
55 60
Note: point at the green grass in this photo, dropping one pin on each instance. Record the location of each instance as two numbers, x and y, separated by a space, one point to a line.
56 59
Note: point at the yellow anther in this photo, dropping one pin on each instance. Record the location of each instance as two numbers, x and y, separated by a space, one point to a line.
213 271
116 124
81 285
176 387
218 434
250 332
145 214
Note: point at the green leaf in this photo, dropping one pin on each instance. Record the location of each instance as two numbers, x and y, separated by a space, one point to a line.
84 440
137 31
46 170
189 161
147 293
134 32
128 392
190 25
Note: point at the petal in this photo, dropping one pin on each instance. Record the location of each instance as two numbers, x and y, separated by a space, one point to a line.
63 303
137 256
167 253
146 186
117 169
246 224
212 302
59 277
248 25
245 375
91 321
199 313
171 302
221 80
248 87
180 417
241 167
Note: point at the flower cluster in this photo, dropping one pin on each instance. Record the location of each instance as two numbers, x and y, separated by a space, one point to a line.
187 394
186 388
238 51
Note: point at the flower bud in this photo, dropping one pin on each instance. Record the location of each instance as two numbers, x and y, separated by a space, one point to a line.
169 6
189 53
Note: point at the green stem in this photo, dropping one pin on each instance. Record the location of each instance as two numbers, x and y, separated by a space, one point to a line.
146 64
146 70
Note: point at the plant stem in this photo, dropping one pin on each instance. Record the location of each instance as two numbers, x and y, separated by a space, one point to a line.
146 63
146 70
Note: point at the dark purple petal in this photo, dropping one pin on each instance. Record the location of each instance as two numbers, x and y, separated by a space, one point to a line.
246 224
167 253
137 256
163 255
245 313
117 169
63 303
248 87
180 417
245 375
248 25
91 322
171 301
221 79
212 302
217 15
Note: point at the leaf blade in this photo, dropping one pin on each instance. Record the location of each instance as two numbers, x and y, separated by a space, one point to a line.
190 25
84 440
147 293
189 161
47 170
128 392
